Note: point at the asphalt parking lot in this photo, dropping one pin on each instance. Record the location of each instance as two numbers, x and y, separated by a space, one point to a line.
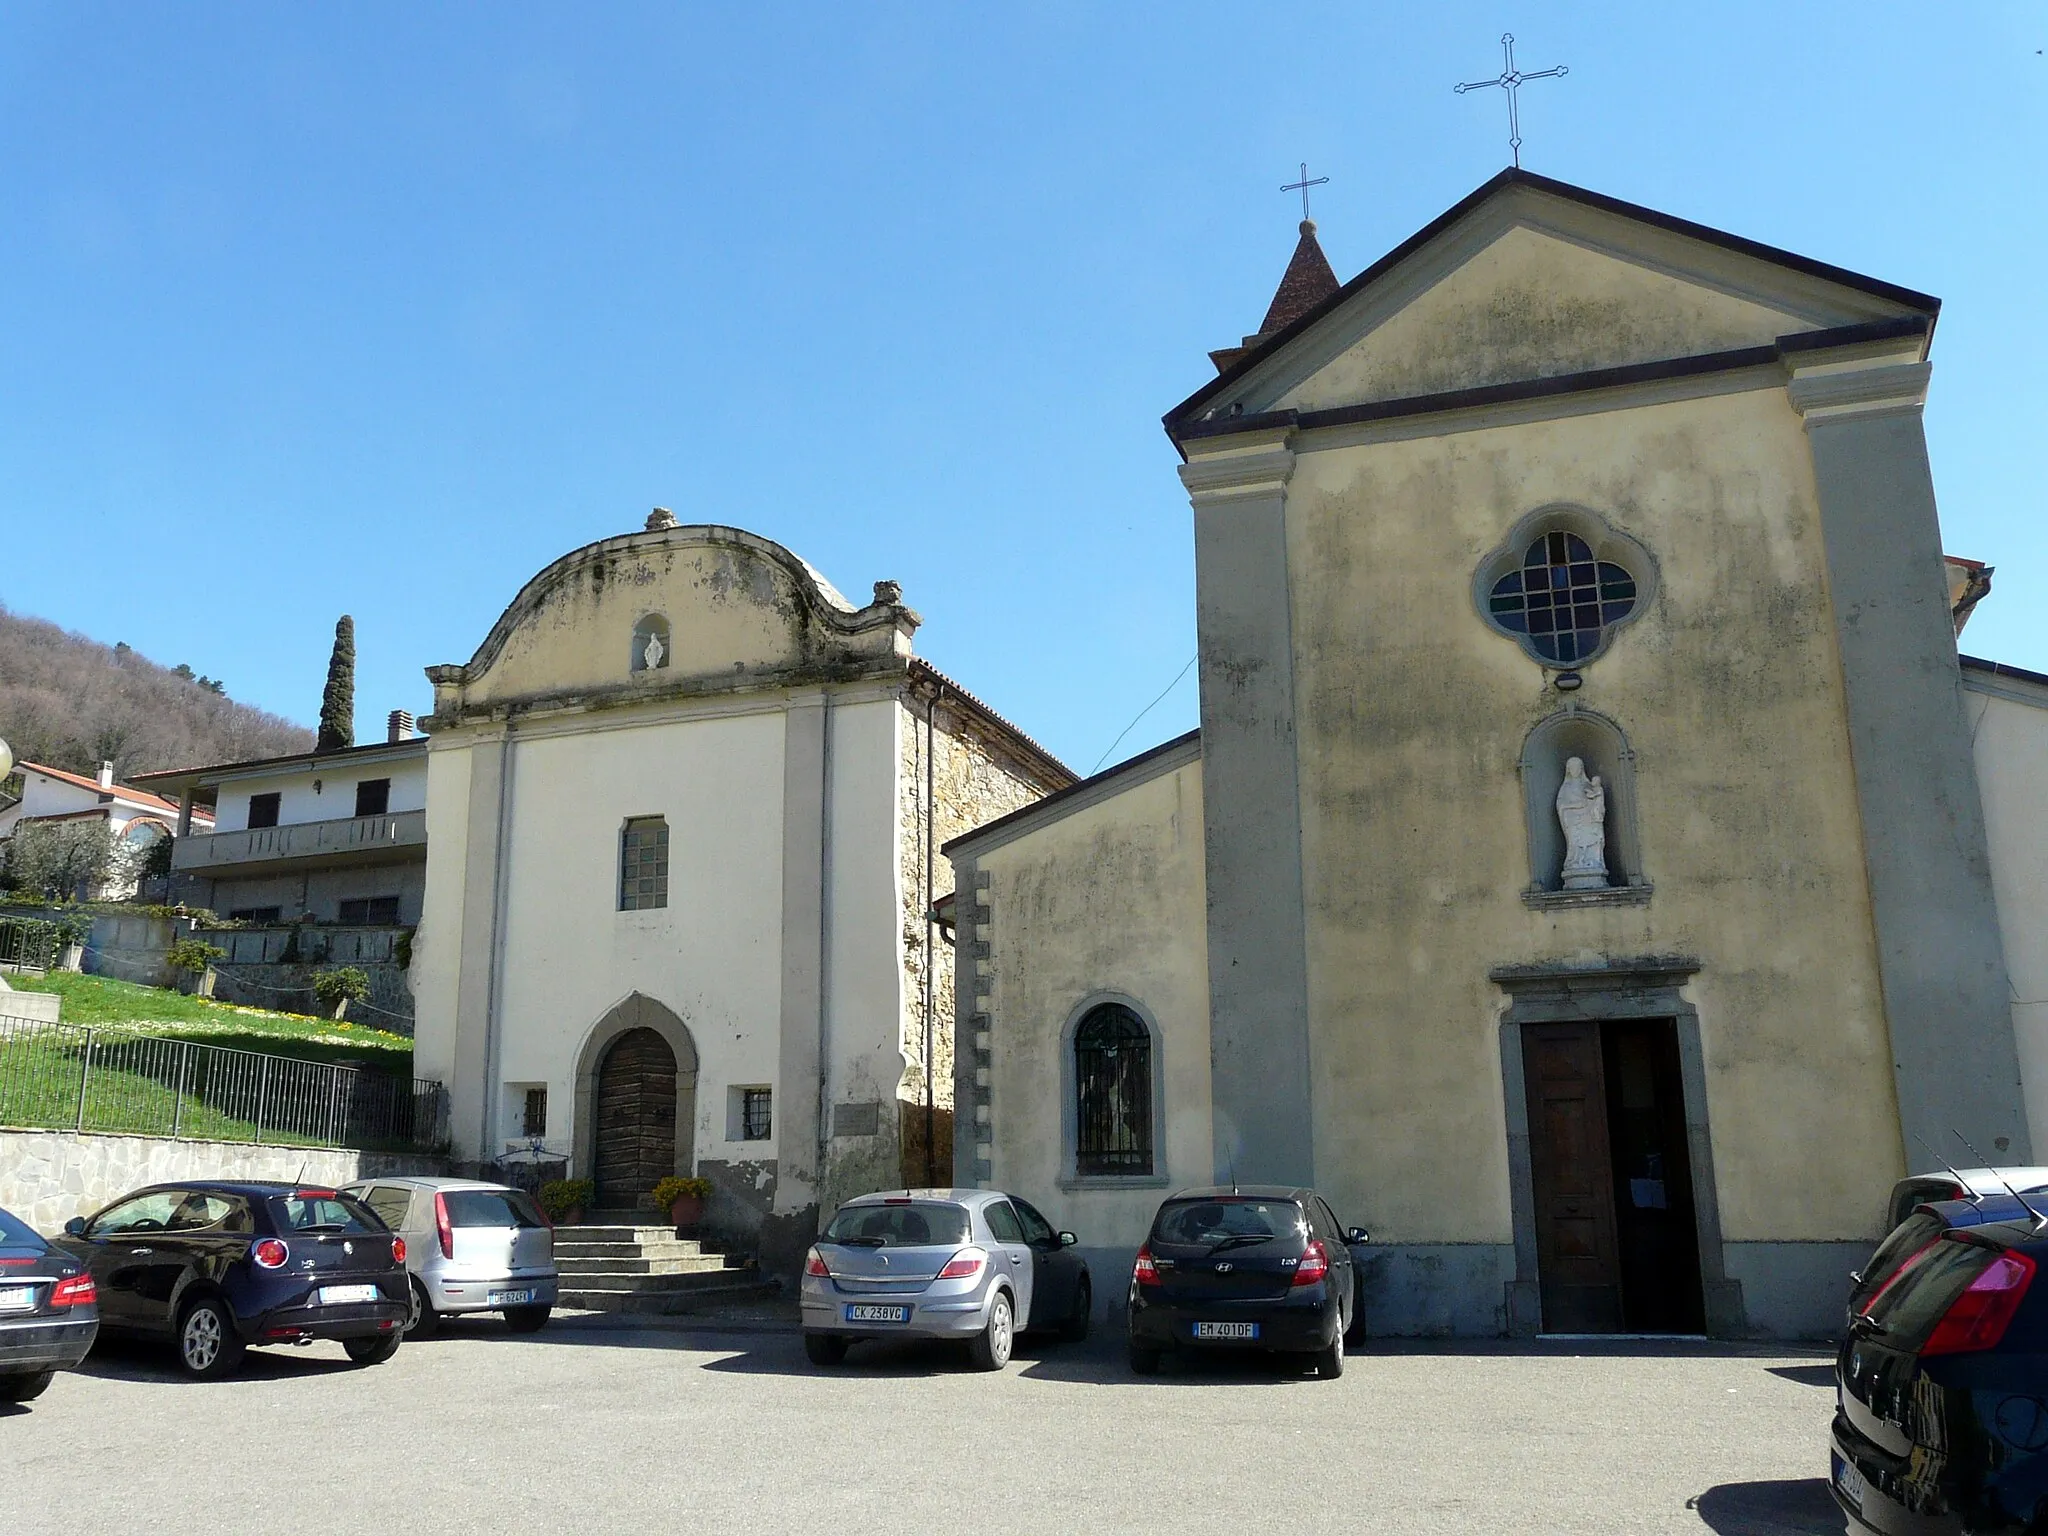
586 1427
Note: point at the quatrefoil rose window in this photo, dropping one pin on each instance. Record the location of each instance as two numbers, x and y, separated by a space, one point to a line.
1562 584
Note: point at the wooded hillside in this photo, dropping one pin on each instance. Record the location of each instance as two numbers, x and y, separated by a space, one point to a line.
70 702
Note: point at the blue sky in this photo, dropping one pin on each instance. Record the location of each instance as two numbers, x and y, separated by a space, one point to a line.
381 308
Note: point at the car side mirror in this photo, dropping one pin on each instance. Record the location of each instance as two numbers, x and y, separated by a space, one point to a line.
1067 1240
1357 1235
75 1227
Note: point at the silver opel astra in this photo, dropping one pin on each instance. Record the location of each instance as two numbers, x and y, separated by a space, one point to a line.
975 1265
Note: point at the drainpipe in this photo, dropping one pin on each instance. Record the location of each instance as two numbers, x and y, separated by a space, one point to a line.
931 816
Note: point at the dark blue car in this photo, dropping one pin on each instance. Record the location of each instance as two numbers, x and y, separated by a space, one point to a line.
216 1267
1942 1382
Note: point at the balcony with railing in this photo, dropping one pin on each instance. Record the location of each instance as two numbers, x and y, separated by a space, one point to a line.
366 839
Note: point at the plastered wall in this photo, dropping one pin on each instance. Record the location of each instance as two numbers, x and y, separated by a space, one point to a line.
1411 714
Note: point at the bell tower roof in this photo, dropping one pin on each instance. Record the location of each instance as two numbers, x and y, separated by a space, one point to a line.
1307 282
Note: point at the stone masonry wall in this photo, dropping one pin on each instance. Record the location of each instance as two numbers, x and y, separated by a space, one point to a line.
48 1177
976 778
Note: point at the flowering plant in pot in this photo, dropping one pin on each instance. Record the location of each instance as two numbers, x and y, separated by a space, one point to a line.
683 1199
565 1200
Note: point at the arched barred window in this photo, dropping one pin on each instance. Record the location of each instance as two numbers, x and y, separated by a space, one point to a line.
1113 1093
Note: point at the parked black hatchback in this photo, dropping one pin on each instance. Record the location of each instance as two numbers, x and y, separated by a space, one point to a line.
1942 1382
218 1267
1251 1267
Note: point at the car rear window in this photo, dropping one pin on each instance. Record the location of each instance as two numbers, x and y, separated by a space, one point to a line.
1907 1239
911 1224
1242 1220
308 1211
490 1208
16 1234
1909 1309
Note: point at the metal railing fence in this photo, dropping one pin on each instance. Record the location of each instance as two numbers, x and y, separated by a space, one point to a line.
27 944
70 1077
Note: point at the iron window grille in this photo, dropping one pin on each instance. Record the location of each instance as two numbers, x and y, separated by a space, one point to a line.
757 1113
373 797
643 864
534 1122
1562 598
263 809
1113 1093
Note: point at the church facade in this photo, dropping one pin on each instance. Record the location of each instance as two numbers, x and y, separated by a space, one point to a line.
1581 871
683 810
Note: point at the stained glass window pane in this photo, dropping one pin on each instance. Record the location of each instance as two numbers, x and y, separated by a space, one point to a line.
1562 598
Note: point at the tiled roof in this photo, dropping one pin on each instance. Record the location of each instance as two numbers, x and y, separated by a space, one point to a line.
127 792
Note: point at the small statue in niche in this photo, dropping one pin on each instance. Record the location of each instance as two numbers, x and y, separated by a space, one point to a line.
654 652
1582 812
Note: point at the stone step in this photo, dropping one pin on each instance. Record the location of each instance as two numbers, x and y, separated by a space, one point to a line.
714 1293
664 1244
640 1264
616 1232
644 1280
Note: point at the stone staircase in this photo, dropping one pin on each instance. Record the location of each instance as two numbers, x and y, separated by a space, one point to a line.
618 1261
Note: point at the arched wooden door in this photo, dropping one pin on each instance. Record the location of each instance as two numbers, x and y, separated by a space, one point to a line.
634 1118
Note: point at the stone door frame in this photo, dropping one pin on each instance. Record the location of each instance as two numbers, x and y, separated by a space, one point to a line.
635 1011
1618 989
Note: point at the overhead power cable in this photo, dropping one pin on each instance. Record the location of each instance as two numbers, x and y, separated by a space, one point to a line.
1120 735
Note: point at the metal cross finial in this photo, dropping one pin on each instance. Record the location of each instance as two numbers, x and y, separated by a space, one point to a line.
1302 187
1511 81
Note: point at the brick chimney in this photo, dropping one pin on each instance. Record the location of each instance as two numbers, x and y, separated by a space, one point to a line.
398 726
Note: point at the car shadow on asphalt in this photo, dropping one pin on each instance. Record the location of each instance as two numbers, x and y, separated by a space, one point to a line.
1791 1507
123 1359
1806 1375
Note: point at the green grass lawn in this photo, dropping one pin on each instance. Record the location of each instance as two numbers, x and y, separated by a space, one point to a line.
103 1003
143 1081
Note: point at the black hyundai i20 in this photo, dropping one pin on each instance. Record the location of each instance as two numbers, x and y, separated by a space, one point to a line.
217 1267
1942 1382
1249 1267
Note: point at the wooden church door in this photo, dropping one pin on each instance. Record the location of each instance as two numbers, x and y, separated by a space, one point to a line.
1577 1262
635 1118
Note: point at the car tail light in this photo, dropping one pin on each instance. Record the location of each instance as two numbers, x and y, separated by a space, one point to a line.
313 1194
443 1227
270 1253
814 1265
1144 1271
1315 1264
1977 1319
398 1250
964 1265
78 1291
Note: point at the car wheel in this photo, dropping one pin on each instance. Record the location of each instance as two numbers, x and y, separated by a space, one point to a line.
19 1389
423 1322
527 1319
208 1346
990 1350
373 1351
1144 1362
1075 1329
1330 1362
824 1348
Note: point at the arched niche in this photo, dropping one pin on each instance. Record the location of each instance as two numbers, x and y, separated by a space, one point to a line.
1603 747
650 644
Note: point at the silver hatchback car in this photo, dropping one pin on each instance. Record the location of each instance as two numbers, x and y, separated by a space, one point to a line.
975 1265
470 1247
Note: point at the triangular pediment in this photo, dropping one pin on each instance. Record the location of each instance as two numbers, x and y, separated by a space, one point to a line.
1528 280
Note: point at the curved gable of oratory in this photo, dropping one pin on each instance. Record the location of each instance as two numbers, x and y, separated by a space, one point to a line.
671 611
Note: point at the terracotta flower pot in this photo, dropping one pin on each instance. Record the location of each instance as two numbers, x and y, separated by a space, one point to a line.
573 1217
686 1211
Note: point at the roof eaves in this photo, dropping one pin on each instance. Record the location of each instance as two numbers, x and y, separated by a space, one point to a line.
1049 766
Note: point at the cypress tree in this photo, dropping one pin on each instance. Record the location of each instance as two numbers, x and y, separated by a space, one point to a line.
338 702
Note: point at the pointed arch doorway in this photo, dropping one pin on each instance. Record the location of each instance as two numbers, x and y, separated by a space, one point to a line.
638 1082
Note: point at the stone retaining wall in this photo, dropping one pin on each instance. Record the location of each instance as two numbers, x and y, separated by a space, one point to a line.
48 1177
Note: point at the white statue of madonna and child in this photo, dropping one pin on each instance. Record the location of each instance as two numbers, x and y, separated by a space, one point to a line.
1582 813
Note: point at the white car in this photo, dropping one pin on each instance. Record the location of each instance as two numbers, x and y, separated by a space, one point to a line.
1925 1188
470 1247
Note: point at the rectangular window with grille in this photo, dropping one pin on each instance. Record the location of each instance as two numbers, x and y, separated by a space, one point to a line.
643 864
534 1122
757 1118
263 809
